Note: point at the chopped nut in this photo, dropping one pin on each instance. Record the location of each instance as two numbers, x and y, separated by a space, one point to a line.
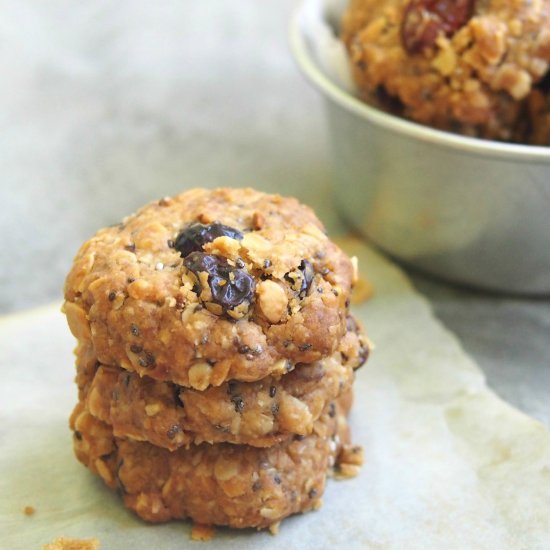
77 321
223 246
152 409
294 416
269 513
272 300
355 265
226 469
258 220
199 376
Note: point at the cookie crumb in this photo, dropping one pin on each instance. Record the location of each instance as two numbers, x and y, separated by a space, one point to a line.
274 528
349 461
63 543
29 510
202 532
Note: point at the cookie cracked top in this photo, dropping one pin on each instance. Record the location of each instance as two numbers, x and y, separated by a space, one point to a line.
211 285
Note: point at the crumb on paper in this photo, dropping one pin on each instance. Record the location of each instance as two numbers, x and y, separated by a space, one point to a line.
63 543
350 461
29 510
274 528
362 291
202 532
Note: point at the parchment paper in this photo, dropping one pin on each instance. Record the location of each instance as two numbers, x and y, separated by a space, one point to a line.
448 464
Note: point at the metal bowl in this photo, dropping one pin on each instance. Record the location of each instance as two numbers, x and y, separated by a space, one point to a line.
471 211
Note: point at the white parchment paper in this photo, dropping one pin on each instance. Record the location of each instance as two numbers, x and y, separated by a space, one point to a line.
448 464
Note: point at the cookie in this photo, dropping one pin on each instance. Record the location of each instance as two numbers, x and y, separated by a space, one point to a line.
210 286
223 484
465 66
260 413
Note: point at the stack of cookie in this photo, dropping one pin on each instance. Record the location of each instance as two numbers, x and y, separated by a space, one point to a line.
215 358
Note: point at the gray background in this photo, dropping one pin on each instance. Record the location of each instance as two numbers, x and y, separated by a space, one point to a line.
105 106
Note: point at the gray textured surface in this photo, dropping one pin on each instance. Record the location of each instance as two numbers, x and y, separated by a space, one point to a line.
106 106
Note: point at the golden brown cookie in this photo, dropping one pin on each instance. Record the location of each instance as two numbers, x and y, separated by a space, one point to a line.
465 66
211 286
223 484
260 413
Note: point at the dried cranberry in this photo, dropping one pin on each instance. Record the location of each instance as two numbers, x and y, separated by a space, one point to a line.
230 286
195 236
424 20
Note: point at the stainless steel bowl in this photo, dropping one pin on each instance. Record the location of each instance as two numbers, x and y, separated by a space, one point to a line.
471 211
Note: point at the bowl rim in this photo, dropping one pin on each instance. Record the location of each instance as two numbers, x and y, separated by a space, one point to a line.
398 125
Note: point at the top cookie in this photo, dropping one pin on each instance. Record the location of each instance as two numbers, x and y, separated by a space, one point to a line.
465 66
210 286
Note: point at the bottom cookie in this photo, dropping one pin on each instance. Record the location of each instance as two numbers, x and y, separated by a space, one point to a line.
221 484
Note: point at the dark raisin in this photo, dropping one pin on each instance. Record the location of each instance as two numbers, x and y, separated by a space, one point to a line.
147 360
272 391
307 276
178 390
302 282
425 20
195 236
173 431
230 287
256 486
238 402
363 356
